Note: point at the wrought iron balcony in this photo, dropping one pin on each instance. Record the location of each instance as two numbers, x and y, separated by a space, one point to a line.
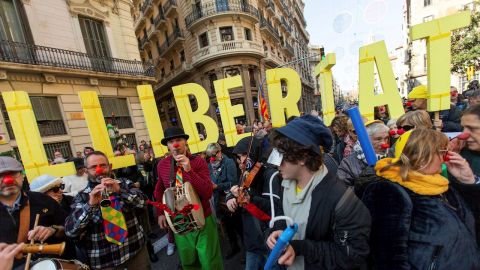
23 53
266 26
170 5
288 28
270 7
289 48
144 42
212 9
159 19
146 5
177 35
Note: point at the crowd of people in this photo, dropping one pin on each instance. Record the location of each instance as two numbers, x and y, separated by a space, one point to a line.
417 208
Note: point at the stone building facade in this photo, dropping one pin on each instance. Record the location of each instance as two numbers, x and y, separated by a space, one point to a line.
201 41
53 49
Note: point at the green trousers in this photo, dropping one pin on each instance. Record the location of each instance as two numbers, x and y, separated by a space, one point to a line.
200 249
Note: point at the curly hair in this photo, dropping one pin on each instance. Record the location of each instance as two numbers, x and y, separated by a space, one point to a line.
340 122
294 152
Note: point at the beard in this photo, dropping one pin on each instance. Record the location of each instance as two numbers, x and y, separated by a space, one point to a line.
12 190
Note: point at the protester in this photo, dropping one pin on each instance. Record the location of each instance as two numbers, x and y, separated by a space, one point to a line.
252 202
18 210
198 249
340 131
356 166
449 119
474 98
418 221
76 182
223 173
470 188
225 149
58 157
108 242
412 119
333 224
53 187
79 154
87 150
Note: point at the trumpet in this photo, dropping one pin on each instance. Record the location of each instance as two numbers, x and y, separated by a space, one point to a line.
53 249
106 202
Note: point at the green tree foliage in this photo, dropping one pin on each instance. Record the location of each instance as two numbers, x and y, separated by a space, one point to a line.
466 46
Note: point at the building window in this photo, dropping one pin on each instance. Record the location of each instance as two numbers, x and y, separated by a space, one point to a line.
47 113
427 3
182 56
94 37
251 74
11 27
130 139
115 111
172 65
248 34
226 33
203 40
222 5
163 72
51 148
428 18
212 77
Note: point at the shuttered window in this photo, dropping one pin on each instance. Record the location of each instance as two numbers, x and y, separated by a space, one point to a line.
116 111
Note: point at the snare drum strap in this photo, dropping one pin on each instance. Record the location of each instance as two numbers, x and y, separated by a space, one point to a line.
24 225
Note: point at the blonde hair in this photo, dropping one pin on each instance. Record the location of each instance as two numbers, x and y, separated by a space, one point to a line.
418 118
420 149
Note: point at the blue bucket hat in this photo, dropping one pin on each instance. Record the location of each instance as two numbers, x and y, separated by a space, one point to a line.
44 183
308 130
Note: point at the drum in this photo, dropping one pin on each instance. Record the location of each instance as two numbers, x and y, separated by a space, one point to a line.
57 264
178 199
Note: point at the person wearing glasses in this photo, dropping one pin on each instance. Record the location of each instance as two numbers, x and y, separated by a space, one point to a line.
418 220
355 166
223 173
14 203
53 187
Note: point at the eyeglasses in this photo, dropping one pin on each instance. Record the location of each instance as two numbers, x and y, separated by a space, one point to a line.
406 127
57 188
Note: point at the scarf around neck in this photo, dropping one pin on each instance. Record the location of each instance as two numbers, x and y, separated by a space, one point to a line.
419 183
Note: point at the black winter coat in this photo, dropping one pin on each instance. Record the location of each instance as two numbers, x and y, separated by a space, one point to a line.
338 228
412 231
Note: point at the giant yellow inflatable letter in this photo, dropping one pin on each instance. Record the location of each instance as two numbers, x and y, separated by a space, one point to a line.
190 118
279 104
324 68
98 130
376 53
227 111
27 135
437 32
152 119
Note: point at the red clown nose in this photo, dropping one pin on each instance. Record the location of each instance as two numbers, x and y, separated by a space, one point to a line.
392 132
408 104
400 131
98 170
463 136
8 180
176 145
212 159
385 145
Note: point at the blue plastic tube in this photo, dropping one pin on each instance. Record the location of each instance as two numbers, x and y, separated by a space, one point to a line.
280 246
362 134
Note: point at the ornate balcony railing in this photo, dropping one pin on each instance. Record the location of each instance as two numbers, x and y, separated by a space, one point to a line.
210 9
287 26
46 56
168 5
266 25
159 18
220 49
289 48
177 34
145 5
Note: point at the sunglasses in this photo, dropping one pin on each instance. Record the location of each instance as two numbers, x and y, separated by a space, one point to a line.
57 188
406 127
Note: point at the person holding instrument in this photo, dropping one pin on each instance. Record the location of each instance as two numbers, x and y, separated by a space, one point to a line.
250 197
18 211
103 219
197 249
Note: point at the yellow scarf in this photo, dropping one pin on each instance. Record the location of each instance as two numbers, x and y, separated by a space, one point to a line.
422 184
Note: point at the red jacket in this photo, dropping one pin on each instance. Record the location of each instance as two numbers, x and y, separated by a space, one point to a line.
198 176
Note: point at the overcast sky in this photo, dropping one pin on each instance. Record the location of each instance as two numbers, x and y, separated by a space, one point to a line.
342 26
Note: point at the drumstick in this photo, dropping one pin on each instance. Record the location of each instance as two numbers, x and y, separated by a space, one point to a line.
29 256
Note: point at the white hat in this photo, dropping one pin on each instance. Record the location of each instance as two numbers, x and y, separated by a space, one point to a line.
44 183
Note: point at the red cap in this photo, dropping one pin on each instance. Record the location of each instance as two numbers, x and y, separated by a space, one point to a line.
8 180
